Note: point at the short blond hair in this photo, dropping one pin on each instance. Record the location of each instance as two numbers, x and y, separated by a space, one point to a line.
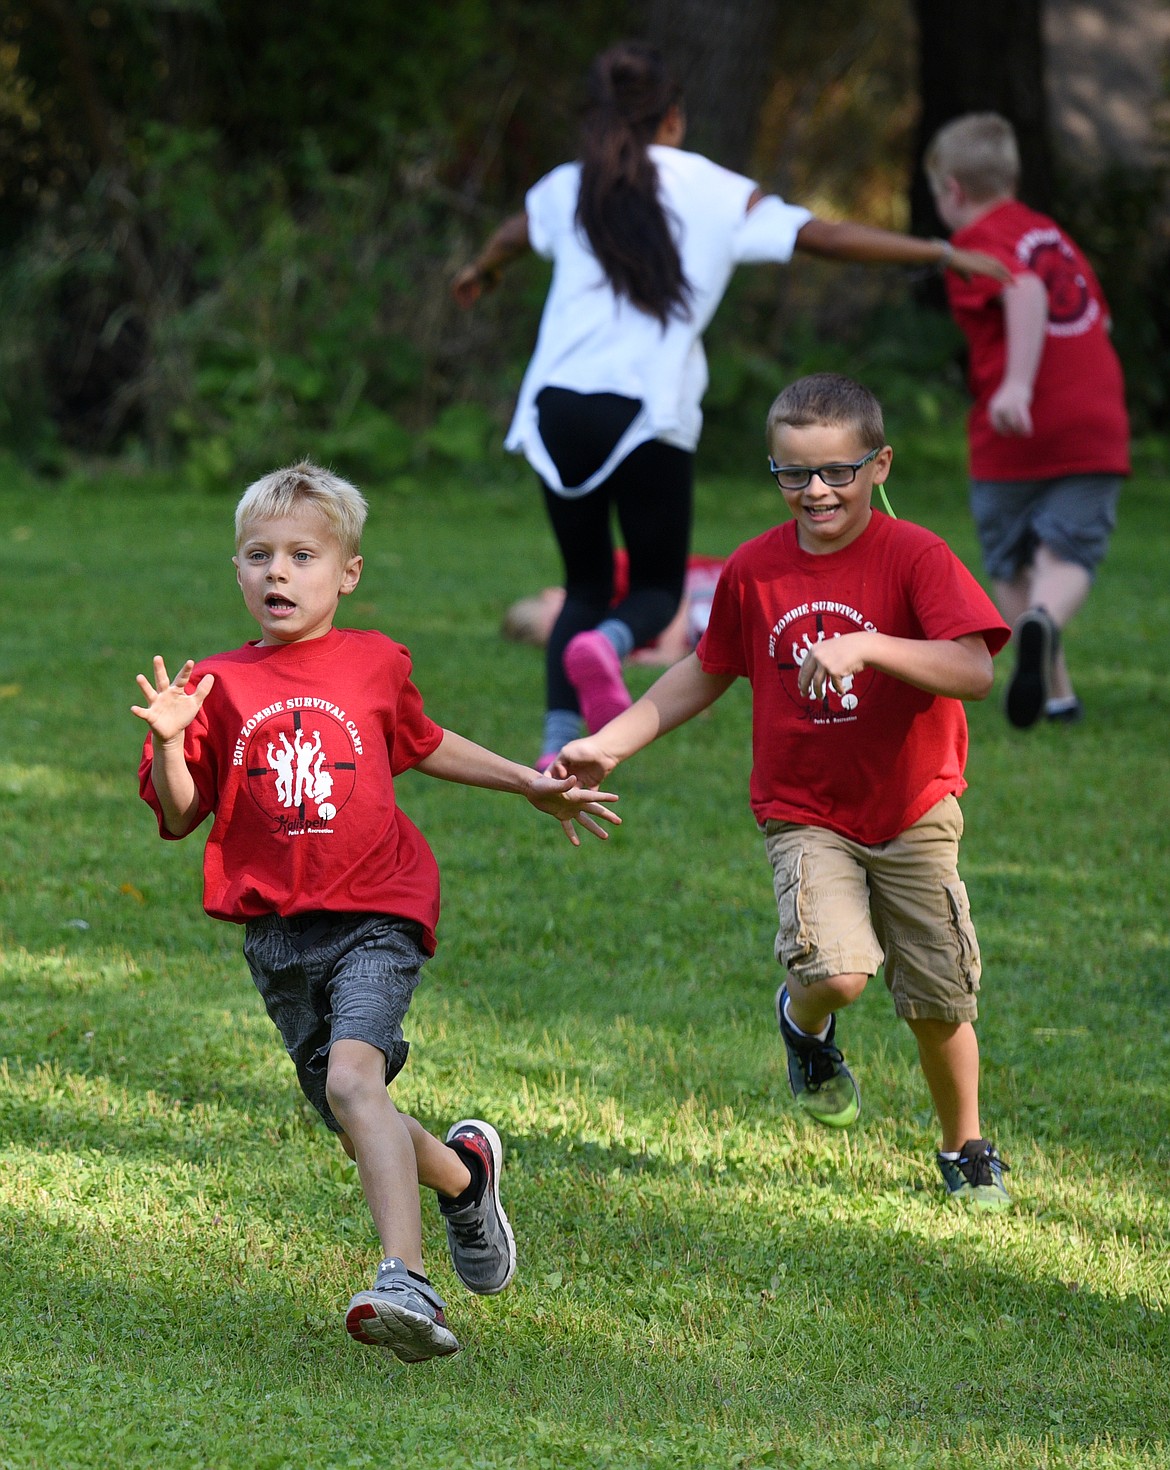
831 399
979 151
341 505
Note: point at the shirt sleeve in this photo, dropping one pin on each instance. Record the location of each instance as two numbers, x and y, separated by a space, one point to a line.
978 292
721 649
415 734
196 749
950 603
550 206
769 231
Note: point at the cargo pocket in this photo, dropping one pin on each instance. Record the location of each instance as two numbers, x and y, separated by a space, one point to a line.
792 935
963 930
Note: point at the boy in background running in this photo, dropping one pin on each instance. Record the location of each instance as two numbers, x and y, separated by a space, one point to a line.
1048 432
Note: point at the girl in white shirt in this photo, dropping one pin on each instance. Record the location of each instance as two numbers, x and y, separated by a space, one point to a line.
643 238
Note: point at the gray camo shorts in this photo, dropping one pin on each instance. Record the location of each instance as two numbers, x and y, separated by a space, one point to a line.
1073 516
335 977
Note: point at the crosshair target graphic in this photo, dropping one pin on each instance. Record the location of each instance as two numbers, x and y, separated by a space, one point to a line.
301 765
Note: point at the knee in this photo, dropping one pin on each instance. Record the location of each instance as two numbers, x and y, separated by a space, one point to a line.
844 989
354 1083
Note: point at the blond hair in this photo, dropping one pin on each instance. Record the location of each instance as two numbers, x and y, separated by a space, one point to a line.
979 151
340 505
829 398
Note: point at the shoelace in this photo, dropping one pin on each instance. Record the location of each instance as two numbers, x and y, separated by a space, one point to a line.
979 1170
469 1232
820 1065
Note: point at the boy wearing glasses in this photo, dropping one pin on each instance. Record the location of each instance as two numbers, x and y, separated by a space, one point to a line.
861 635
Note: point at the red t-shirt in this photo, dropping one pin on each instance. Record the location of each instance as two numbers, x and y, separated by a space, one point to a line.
295 751
869 762
1078 404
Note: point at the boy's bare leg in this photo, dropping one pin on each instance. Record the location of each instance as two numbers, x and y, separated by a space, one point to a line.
1058 586
383 1145
810 1006
949 1054
439 1167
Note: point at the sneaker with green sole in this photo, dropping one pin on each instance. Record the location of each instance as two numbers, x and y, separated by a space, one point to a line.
975 1178
821 1083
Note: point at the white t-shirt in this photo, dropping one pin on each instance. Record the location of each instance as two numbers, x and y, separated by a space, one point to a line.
591 341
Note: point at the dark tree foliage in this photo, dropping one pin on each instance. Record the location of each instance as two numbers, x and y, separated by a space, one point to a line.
987 57
724 57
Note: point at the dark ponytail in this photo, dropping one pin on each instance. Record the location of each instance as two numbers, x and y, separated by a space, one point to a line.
630 92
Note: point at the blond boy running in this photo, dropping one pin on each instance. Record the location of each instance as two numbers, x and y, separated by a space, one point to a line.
337 889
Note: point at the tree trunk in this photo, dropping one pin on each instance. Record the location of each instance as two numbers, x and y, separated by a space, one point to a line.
722 52
987 57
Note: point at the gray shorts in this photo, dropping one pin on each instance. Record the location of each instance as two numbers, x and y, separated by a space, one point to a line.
335 977
1073 516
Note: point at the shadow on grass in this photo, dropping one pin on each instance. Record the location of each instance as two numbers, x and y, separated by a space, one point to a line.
730 1326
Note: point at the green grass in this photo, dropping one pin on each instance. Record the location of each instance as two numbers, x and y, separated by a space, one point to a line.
705 1279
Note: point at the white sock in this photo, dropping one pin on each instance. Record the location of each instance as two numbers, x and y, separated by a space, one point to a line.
809 1035
950 1158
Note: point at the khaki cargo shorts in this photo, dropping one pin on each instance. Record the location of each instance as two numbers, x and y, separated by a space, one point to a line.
845 909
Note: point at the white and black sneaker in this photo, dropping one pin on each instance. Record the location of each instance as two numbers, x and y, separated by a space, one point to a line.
1036 639
483 1248
975 1178
403 1313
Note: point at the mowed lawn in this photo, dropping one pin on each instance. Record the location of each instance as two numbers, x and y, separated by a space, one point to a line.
705 1279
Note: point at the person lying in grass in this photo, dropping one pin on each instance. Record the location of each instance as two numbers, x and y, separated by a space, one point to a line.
292 744
861 635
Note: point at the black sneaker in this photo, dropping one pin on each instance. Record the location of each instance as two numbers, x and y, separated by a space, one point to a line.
1036 638
480 1239
821 1082
975 1178
403 1314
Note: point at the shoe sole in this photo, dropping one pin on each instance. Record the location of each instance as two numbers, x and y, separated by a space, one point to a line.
842 1119
1027 693
408 1335
497 1149
981 1197
601 690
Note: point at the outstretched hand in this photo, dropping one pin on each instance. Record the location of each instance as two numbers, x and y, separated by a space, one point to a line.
569 802
584 759
169 709
470 284
968 263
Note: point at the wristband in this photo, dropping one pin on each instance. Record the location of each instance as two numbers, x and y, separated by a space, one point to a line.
948 254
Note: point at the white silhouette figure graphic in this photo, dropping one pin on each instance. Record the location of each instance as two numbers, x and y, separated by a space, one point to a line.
306 750
281 762
322 789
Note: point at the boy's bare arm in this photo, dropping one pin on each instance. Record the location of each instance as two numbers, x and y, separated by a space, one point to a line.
1025 324
847 240
168 711
503 246
459 759
960 668
679 694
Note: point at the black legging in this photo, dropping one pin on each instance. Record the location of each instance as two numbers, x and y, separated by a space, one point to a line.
652 492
